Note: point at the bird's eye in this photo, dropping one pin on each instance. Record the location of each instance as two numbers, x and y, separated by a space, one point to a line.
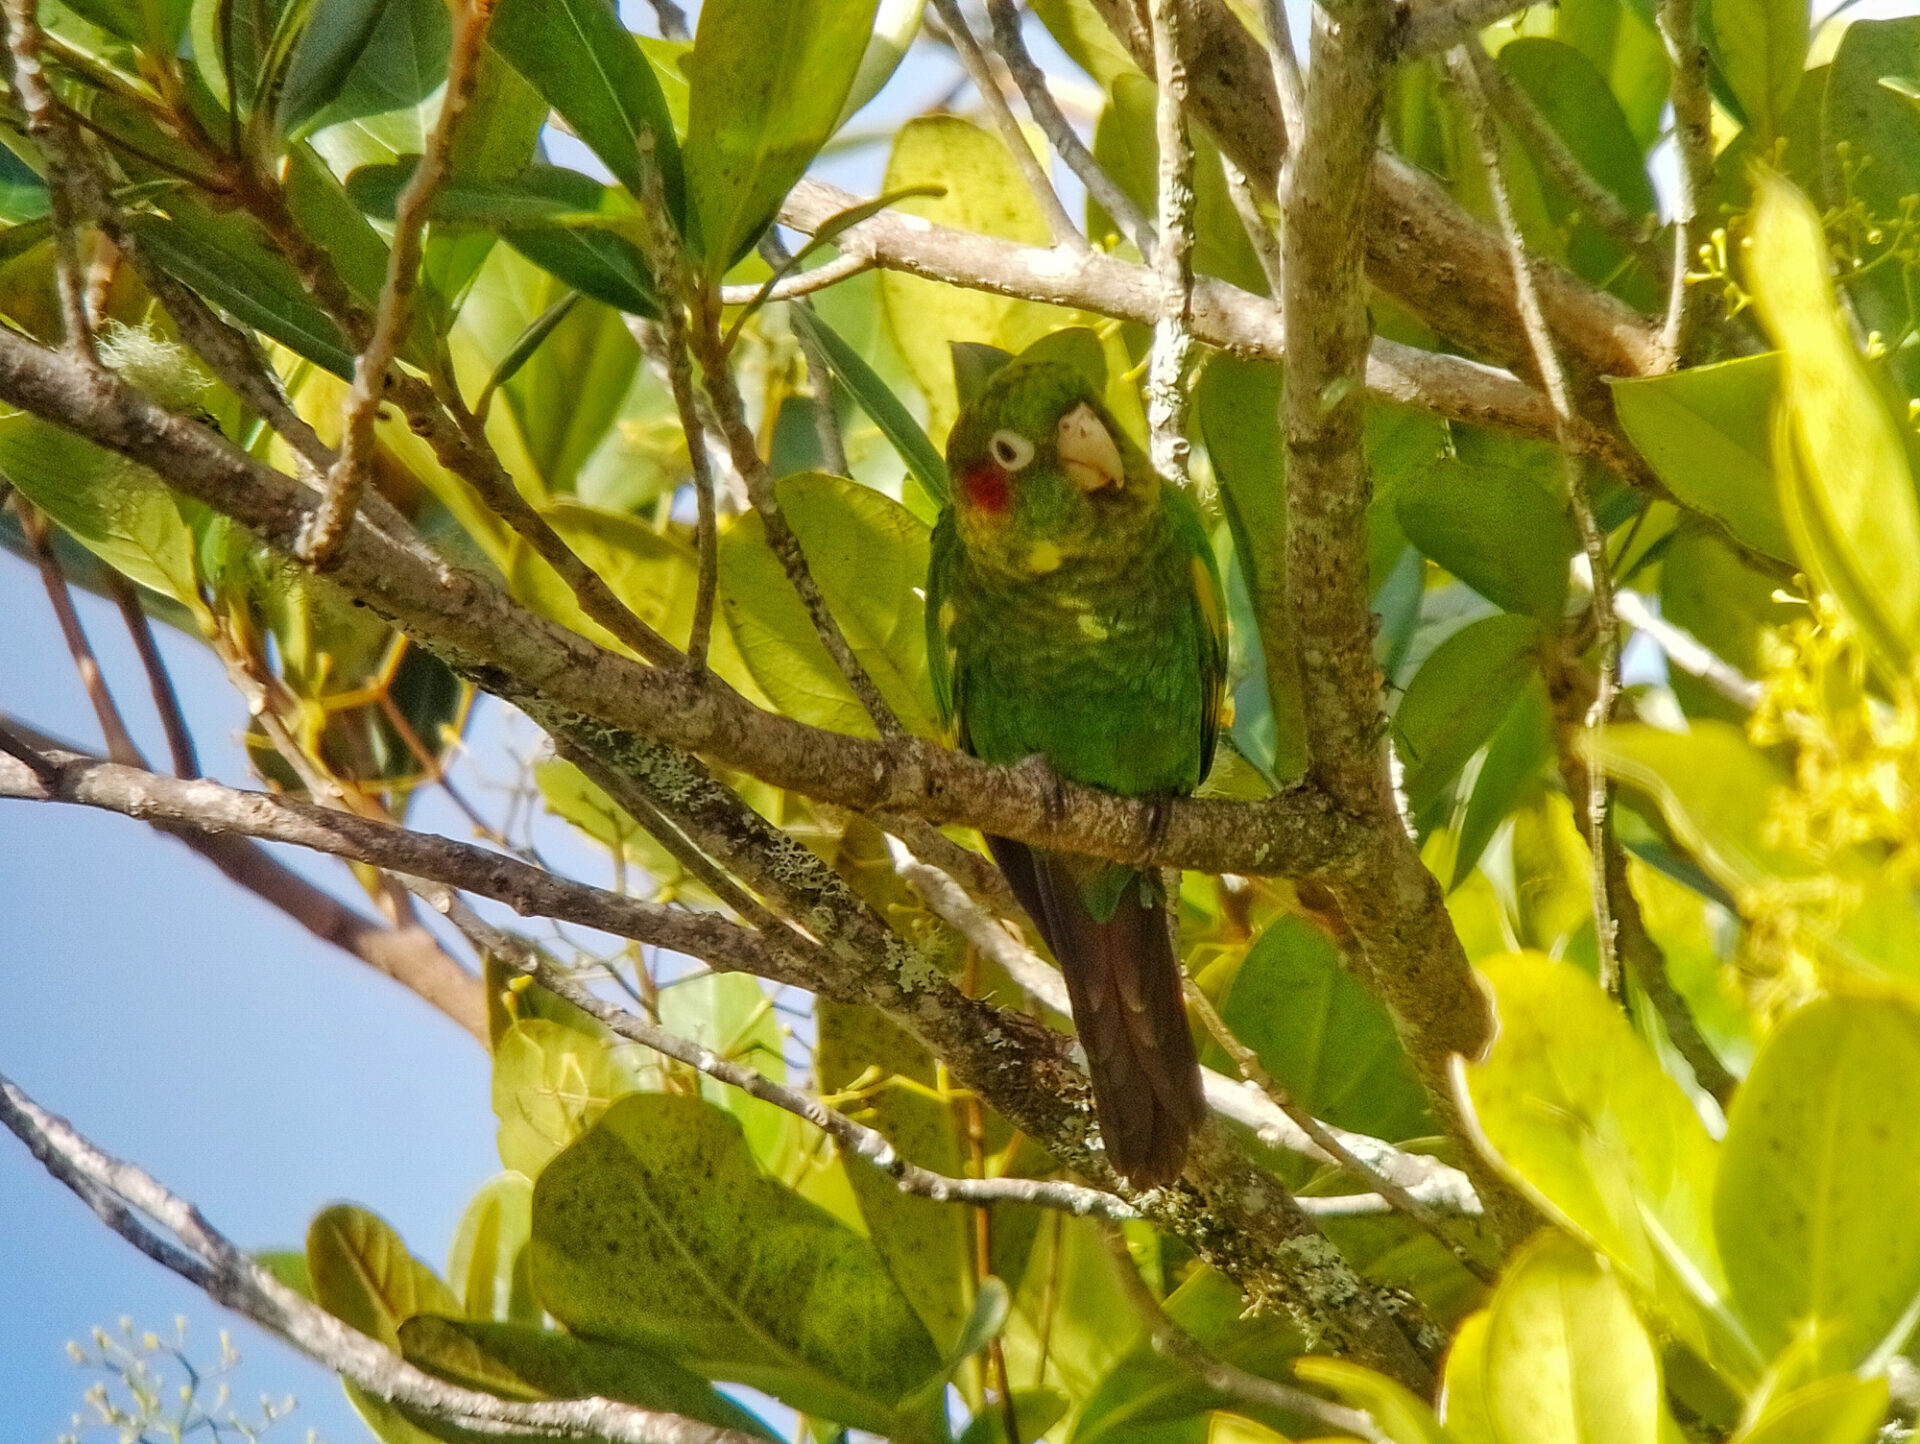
1011 449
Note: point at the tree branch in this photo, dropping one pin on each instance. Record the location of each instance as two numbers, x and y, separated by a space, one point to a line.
1693 139
1223 316
394 314
1059 224
1436 25
1167 399
1422 248
1060 134
206 1258
212 807
1173 1342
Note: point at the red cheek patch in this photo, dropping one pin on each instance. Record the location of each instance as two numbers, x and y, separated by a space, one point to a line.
986 487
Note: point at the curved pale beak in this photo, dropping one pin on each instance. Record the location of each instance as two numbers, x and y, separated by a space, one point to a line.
1087 451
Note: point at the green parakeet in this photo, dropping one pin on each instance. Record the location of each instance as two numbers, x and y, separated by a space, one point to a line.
1074 611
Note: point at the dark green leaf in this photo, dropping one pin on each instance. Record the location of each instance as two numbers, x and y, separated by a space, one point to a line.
593 261
587 64
1516 755
1760 47
1458 698
883 408
1497 529
223 261
365 57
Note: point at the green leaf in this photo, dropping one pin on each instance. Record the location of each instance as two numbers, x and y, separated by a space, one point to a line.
1518 751
1238 404
23 194
1497 529
115 508
224 261
1038 1410
1573 95
867 554
518 1361
766 88
579 56
985 194
365 58
653 575
552 1081
1841 1410
363 1275
657 1229
1329 1042
1459 698
1761 49
883 408
1567 1359
1580 1114
1707 434
1402 1416
927 1246
488 1263
1846 489
1709 591
1715 790
1463 1389
591 260
895 24
1822 1145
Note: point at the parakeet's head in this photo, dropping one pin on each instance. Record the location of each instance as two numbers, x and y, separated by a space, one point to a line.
1042 475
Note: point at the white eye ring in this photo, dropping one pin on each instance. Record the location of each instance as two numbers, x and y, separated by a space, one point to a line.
1011 449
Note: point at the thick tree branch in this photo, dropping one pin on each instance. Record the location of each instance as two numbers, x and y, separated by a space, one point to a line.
1223 316
1436 25
119 1192
1421 247
472 624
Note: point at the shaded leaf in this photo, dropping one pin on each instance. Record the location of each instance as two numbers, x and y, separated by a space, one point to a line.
1459 698
1496 529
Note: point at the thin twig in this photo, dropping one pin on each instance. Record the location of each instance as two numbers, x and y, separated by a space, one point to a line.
1059 224
1592 540
113 726
45 770
848 1136
1059 131
48 125
166 700
709 350
1687 652
799 283
1167 398
1173 1342
675 283
1693 139
117 1192
394 314
1286 68
1246 205
1545 144
1251 1068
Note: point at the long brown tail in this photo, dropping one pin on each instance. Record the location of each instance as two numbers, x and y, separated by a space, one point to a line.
1124 982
